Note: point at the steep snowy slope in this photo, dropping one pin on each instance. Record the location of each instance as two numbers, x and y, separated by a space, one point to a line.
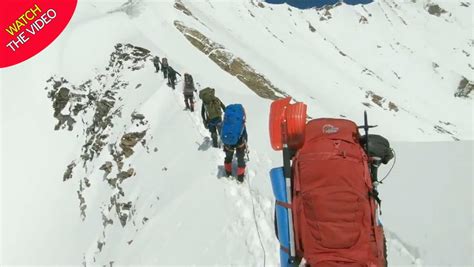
135 181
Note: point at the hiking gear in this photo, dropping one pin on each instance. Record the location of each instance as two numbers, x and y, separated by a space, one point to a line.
189 102
240 171
214 127
287 131
212 106
333 201
188 87
378 149
239 153
282 209
207 94
233 125
164 62
228 169
332 187
378 146
287 124
212 110
391 168
240 178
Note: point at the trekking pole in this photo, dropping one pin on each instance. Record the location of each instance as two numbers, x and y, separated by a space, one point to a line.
366 127
287 171
374 162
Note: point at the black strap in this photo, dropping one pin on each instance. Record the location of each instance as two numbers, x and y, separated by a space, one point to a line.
375 195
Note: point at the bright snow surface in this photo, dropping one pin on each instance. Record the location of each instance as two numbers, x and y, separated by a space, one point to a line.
182 213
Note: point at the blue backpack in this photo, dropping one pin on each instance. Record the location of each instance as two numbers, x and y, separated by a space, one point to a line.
233 125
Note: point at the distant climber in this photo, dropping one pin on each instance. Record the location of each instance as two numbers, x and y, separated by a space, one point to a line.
172 77
164 67
156 63
211 112
234 137
188 91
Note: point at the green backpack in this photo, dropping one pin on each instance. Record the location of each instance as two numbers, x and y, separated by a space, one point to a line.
211 103
207 94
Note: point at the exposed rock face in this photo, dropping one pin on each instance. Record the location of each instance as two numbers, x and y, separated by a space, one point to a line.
363 20
231 63
435 9
380 101
180 6
465 88
129 140
98 94
93 110
68 173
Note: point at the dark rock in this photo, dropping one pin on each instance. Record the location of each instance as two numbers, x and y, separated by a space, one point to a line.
129 140
465 88
363 20
392 106
68 173
435 10
61 98
107 167
125 174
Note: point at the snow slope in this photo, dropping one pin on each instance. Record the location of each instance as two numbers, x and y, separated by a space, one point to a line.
174 208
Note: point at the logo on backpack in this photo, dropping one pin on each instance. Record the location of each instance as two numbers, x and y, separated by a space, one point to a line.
330 129
332 215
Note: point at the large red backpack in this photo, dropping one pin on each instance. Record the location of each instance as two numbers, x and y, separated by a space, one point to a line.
335 216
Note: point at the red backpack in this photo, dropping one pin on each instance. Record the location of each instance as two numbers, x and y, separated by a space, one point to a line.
335 216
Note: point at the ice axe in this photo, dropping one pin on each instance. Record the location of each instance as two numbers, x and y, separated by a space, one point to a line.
374 161
287 129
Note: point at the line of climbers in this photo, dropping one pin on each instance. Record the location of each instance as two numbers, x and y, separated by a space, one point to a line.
231 131
327 208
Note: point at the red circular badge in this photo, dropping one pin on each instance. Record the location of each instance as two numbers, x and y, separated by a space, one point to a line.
29 26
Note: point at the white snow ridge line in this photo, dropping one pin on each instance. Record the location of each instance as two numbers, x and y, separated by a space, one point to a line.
406 250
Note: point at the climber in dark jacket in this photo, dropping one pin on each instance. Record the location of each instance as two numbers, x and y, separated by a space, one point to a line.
156 63
164 67
172 77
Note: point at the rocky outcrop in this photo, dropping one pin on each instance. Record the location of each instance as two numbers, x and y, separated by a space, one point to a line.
180 6
435 9
465 88
311 28
380 101
93 110
231 63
